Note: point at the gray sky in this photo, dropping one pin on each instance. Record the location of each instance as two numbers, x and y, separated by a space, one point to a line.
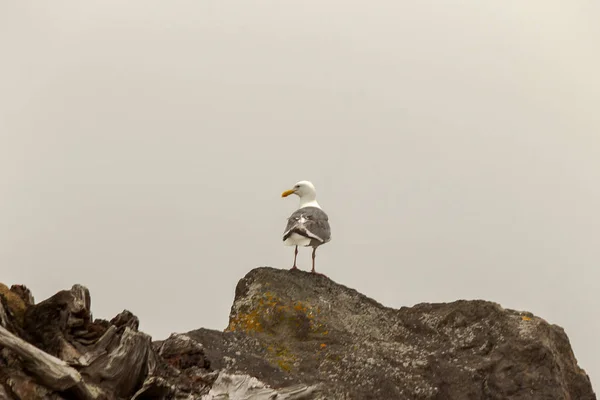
455 145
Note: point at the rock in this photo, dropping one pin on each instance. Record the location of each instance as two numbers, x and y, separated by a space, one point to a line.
291 336
292 327
241 354
182 352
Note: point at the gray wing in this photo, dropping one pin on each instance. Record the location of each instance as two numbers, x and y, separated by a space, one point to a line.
310 222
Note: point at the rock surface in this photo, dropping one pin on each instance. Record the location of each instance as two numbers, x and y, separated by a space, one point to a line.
292 335
290 327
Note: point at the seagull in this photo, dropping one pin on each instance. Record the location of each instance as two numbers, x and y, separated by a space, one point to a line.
308 225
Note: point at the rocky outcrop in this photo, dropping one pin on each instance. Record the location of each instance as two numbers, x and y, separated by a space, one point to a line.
319 332
291 335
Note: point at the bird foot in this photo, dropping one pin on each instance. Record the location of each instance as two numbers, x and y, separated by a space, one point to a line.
317 273
293 268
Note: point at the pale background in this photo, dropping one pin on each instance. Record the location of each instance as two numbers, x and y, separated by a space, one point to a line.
455 145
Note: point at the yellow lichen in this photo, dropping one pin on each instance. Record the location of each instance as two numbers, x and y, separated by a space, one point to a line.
251 321
282 357
268 311
246 322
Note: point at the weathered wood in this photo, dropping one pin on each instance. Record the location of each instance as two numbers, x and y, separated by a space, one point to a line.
100 347
124 368
113 355
236 386
51 371
8 318
49 321
3 315
14 306
155 388
25 387
4 394
125 319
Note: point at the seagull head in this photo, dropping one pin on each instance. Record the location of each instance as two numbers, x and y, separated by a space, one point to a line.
302 189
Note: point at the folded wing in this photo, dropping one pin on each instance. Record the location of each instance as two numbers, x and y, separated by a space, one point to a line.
311 223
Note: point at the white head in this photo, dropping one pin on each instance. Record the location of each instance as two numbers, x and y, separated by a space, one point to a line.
306 191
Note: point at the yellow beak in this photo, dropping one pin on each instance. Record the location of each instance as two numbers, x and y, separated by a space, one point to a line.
287 193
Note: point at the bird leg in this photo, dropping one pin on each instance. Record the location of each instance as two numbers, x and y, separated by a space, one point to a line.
295 255
313 264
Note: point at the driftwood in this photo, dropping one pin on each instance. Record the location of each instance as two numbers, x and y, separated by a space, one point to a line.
3 315
55 350
59 352
3 393
62 349
54 324
247 387
12 306
51 371
122 369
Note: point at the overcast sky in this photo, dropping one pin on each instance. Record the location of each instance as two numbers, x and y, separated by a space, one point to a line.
455 145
